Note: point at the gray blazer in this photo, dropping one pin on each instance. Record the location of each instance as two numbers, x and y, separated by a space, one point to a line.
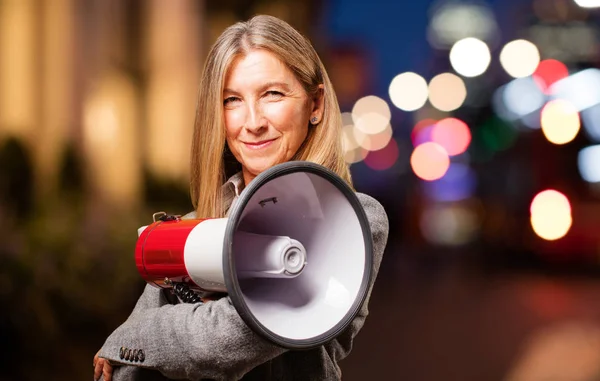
211 341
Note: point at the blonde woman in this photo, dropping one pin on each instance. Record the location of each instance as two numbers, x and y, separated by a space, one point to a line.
265 98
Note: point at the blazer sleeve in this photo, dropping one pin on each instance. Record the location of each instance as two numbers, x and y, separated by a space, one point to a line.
341 346
189 341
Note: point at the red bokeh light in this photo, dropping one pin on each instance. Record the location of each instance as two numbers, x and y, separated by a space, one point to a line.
549 72
384 158
421 132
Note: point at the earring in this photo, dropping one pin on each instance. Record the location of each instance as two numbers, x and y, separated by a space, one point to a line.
314 120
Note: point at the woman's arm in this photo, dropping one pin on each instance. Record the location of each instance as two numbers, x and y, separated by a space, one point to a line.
190 341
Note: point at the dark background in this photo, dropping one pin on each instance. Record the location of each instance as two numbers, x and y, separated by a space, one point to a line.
97 101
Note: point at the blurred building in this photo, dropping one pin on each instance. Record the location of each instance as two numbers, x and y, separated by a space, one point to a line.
112 82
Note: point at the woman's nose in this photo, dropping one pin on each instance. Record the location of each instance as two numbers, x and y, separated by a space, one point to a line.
255 120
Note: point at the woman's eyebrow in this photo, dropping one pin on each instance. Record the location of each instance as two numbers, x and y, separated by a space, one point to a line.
229 91
265 86
284 85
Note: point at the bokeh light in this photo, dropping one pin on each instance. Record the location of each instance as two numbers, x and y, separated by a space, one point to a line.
355 155
371 114
496 135
470 57
550 213
549 72
453 21
421 132
560 121
429 161
588 162
457 184
353 151
591 122
408 91
378 141
519 58
452 134
447 92
588 3
449 224
582 89
384 158
522 96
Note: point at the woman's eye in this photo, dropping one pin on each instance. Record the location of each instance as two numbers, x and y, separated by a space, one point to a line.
230 100
274 94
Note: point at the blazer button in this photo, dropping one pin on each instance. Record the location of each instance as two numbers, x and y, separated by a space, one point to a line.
136 356
122 352
127 354
141 355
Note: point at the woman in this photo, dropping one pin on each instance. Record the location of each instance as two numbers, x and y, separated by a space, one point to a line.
264 99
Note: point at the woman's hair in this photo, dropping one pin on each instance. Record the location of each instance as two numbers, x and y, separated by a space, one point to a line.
211 161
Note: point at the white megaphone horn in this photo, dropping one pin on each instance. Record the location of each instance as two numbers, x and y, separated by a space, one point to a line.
294 254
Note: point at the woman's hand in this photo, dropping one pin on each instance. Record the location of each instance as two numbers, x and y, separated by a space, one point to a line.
102 367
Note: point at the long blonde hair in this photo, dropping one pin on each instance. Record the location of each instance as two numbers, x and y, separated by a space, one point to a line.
210 157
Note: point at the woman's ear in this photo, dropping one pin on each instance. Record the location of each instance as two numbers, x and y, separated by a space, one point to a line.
318 105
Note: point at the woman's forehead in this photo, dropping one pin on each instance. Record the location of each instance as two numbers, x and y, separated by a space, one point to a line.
258 67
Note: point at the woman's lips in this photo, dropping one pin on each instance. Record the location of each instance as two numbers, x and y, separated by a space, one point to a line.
259 145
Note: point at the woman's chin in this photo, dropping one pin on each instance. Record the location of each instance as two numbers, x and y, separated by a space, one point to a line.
258 167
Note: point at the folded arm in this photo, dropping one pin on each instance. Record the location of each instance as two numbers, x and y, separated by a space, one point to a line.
191 341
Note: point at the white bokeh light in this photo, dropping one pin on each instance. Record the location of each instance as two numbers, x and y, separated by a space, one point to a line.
588 3
522 96
588 162
519 58
453 21
371 114
408 91
582 89
470 57
447 92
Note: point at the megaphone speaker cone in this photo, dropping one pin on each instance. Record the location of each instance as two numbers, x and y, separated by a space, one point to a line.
308 204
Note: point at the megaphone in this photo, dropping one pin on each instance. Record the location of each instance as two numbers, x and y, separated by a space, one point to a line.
294 254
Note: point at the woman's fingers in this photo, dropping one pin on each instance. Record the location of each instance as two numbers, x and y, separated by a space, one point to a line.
98 369
107 371
102 367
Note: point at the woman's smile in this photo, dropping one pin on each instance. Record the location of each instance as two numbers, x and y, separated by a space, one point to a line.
255 146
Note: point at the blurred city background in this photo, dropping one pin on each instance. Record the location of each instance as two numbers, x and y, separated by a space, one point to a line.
475 123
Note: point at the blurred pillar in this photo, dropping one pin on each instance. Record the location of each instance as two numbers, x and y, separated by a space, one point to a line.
111 141
110 133
174 56
18 69
56 89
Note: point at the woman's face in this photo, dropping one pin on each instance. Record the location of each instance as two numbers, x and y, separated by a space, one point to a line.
267 112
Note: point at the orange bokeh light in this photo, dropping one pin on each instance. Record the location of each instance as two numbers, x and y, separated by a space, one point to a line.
430 161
